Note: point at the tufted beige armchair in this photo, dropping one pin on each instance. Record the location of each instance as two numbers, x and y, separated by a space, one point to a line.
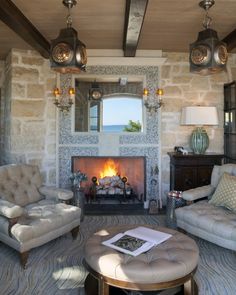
32 214
213 223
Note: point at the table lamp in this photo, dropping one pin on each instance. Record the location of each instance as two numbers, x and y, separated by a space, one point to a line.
199 116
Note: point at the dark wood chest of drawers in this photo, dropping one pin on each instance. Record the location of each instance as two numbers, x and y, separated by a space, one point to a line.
190 171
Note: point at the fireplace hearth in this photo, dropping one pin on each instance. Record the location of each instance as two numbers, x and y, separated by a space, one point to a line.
112 180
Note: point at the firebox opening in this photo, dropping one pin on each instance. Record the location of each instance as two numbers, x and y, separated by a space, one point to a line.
120 178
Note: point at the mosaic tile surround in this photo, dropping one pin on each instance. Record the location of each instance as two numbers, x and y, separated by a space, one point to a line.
87 144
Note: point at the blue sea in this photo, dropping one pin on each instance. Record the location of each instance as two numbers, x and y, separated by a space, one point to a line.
114 128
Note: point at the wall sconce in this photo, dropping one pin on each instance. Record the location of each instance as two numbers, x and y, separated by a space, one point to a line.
64 104
153 104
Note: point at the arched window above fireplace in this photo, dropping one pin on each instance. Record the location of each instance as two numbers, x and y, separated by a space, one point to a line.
115 112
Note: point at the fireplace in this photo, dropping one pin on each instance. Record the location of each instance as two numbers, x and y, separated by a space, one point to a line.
120 178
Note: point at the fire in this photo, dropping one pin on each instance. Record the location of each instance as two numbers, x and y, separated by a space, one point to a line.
110 169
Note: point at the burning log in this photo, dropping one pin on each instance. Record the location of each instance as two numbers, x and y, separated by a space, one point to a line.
112 185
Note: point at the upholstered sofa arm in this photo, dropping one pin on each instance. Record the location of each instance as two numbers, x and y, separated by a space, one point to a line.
51 192
198 193
10 210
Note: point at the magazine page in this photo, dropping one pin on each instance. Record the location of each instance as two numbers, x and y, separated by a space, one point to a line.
148 234
128 244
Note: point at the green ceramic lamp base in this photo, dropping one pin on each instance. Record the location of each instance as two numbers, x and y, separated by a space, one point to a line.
199 141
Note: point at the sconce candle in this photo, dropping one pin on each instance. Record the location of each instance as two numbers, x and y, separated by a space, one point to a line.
153 105
64 106
145 94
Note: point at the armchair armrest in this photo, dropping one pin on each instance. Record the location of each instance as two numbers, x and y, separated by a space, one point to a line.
51 192
198 193
10 210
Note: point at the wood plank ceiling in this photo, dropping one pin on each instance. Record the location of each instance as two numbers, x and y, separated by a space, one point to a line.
166 26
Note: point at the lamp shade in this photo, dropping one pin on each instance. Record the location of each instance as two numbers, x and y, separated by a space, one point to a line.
199 115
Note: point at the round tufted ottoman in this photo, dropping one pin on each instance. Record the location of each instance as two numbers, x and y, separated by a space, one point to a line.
167 265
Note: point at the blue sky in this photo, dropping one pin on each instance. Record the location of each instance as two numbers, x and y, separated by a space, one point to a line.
118 111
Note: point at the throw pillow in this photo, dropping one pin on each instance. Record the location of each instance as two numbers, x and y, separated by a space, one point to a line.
225 193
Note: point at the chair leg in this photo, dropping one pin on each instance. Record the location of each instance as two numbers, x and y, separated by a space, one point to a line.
75 232
23 259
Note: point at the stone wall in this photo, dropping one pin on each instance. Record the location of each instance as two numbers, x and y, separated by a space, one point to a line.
182 88
29 112
2 79
29 125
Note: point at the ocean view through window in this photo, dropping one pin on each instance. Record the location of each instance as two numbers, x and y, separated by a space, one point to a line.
121 112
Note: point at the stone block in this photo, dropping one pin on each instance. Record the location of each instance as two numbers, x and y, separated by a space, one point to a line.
217 87
177 57
200 83
176 69
172 91
172 104
191 96
168 139
35 91
34 128
32 60
185 69
24 144
233 71
25 74
50 84
15 127
213 97
51 109
51 149
183 79
186 88
221 78
51 128
24 108
18 90
165 72
14 59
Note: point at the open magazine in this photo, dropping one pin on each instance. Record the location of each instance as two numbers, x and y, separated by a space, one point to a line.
136 241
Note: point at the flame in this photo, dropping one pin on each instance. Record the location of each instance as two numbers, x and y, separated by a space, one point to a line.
110 169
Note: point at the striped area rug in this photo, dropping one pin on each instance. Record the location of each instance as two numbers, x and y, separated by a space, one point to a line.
56 268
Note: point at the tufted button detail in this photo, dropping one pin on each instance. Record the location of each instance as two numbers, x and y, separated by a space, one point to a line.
171 260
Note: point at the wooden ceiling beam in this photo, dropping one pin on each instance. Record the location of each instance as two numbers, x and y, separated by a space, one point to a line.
134 17
230 40
15 19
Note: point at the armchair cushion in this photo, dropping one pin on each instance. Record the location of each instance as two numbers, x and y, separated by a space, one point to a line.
205 220
225 194
44 217
51 192
10 210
